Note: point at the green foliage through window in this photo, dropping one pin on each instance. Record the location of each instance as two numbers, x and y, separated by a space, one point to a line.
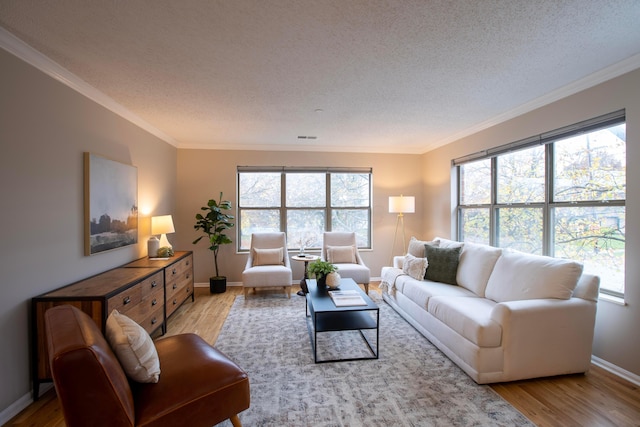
303 202
563 196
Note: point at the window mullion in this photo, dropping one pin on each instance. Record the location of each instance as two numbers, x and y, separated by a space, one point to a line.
283 202
327 203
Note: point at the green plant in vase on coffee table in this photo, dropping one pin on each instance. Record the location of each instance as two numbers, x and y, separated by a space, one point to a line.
320 269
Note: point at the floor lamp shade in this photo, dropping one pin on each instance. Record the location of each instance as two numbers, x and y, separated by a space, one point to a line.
402 204
162 225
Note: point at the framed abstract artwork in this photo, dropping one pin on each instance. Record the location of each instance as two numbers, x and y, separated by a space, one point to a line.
110 204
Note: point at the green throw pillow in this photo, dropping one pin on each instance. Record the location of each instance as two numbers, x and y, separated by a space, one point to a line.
443 264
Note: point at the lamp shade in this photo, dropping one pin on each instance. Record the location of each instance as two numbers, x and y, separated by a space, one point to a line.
162 224
402 204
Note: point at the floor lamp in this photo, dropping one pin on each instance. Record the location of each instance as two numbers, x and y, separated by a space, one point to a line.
401 205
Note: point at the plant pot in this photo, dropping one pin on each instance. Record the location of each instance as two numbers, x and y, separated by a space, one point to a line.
321 281
217 285
333 280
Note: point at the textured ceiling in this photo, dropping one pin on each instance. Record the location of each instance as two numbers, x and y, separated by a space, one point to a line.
388 76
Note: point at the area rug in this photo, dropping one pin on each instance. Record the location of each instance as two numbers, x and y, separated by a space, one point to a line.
411 384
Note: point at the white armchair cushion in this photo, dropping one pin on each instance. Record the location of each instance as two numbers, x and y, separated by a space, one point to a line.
519 276
341 254
267 264
272 256
340 248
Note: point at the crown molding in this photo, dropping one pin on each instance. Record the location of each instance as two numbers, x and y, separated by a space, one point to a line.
20 49
608 73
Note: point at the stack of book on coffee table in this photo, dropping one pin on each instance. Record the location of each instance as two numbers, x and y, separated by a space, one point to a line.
346 298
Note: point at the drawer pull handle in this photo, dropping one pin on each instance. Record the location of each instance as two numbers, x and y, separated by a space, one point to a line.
187 275
187 262
175 285
175 301
154 302
187 290
154 284
126 301
174 271
154 321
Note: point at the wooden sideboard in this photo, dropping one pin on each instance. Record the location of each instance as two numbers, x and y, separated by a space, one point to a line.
148 291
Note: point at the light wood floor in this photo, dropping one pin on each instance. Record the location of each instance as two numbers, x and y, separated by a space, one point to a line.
597 398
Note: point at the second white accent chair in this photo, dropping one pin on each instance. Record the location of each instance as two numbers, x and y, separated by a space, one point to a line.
340 248
268 264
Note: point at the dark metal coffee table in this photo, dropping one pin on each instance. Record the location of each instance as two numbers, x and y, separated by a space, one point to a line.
323 316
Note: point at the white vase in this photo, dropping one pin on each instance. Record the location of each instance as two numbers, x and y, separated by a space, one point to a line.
333 280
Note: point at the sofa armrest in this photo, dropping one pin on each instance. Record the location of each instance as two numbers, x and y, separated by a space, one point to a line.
398 261
543 337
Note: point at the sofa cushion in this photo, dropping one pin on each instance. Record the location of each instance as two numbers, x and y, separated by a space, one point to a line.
446 243
341 254
520 276
134 348
415 267
469 317
475 266
272 256
443 264
416 247
420 291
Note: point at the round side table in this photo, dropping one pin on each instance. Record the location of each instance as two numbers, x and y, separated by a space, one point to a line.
306 259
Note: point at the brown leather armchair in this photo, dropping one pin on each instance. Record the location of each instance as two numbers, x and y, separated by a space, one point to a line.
198 386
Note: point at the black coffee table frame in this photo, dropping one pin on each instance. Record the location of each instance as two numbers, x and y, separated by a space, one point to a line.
323 316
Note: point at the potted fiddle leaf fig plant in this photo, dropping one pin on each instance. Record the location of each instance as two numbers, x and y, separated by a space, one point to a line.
214 224
320 269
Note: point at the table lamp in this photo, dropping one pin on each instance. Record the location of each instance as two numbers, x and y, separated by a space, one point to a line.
162 225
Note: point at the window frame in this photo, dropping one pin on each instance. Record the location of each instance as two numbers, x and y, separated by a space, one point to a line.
549 205
283 208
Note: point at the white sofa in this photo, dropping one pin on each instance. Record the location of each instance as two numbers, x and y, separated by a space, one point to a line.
509 315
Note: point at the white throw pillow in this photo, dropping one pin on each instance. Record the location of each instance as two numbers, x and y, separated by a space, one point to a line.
134 348
519 276
446 243
475 267
341 254
274 256
415 267
416 247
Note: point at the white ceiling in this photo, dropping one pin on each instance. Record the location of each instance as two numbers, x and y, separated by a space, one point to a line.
402 76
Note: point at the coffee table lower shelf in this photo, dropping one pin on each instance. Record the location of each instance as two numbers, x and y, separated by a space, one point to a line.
343 321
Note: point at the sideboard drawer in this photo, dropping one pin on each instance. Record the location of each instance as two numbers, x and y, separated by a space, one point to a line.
125 301
153 319
138 289
178 269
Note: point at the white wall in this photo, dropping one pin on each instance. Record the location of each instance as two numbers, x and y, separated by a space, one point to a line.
44 129
616 335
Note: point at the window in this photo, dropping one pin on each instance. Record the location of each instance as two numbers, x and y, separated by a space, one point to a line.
304 202
561 194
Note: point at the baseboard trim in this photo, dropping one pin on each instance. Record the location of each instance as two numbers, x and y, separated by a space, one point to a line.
616 370
21 404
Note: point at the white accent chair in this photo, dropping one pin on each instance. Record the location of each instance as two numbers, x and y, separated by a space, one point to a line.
341 249
268 264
